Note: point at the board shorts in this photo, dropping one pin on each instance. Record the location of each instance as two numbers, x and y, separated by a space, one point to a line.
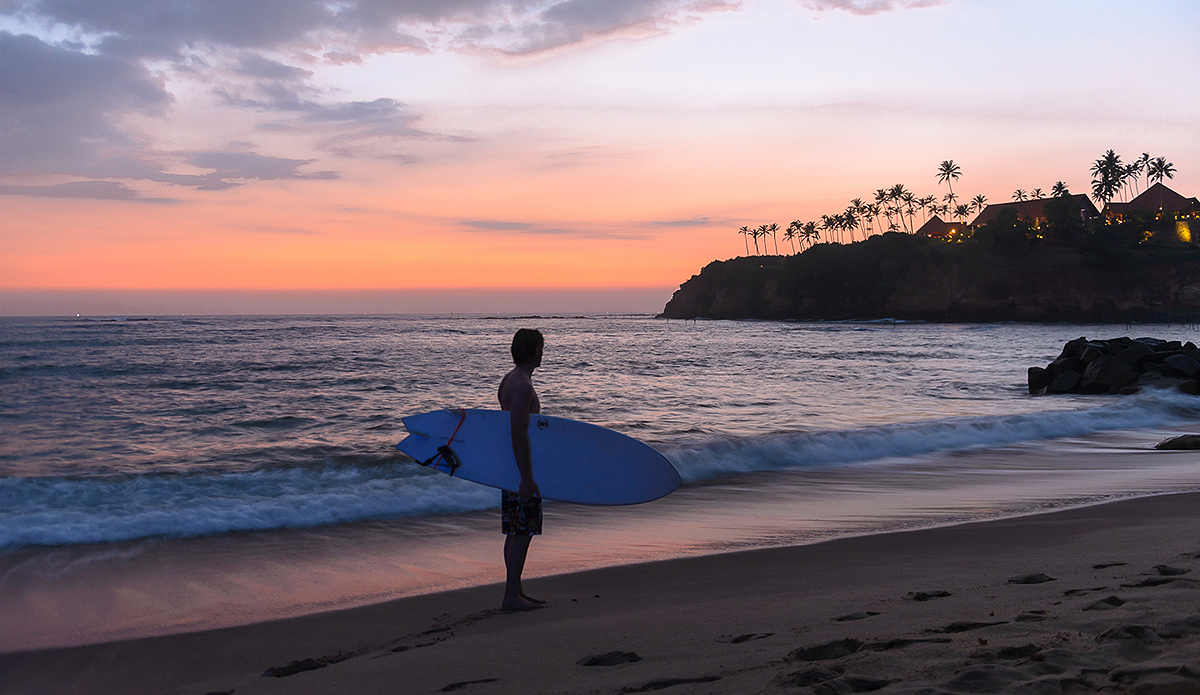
519 518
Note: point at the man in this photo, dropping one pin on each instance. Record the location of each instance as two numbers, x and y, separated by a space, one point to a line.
521 511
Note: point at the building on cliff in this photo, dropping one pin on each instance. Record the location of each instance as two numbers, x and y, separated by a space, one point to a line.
1034 210
1157 199
935 228
1166 205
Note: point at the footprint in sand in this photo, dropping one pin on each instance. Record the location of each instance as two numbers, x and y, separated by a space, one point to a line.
966 626
662 683
609 659
1168 571
857 616
1106 604
749 636
462 684
1036 578
925 595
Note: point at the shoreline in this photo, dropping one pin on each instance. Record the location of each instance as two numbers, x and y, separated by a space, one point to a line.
76 596
734 618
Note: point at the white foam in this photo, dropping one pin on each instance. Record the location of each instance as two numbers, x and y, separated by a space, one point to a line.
823 449
63 511
67 511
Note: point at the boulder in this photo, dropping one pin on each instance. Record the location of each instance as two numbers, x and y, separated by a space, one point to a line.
1183 364
1186 441
1062 364
1074 347
1038 379
1151 342
1090 354
1135 353
1063 383
1105 373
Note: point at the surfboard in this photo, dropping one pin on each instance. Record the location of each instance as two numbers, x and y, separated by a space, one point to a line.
572 461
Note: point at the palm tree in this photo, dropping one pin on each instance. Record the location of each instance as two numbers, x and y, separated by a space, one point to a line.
745 232
1108 174
1160 168
1019 194
950 199
948 172
1059 189
978 202
774 229
1037 194
793 231
762 232
1144 166
961 211
899 195
811 233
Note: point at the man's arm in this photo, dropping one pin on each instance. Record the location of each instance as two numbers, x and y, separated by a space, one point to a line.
519 422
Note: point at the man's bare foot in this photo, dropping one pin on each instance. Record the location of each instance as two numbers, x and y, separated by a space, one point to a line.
530 598
520 603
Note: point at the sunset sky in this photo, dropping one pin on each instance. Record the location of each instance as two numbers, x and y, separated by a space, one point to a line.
228 156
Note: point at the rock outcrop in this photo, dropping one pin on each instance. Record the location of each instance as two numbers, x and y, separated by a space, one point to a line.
902 276
1117 365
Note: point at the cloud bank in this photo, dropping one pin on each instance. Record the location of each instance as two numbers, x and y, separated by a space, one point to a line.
73 77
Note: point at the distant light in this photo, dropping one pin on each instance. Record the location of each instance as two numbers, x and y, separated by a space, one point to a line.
1183 231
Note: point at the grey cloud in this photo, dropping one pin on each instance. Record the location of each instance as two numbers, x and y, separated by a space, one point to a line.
497 225
90 190
246 165
870 7
254 65
158 30
529 228
698 222
60 108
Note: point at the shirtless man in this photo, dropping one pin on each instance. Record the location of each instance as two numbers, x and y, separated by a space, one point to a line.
521 511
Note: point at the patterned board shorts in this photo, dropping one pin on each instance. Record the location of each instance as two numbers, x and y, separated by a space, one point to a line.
519 518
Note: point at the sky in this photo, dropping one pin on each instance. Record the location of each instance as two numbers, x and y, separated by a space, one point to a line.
436 156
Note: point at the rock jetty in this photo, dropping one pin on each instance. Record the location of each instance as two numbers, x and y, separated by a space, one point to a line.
1118 365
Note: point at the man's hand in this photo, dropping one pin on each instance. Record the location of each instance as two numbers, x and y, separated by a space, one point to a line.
528 489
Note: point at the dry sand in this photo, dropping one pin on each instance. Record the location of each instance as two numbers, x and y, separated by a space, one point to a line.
1111 603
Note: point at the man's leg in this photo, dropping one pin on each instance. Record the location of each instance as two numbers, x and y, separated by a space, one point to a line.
516 549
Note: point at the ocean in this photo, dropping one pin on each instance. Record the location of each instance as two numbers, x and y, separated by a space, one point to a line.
180 473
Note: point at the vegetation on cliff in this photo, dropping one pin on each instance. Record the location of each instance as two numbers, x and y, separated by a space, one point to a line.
1007 272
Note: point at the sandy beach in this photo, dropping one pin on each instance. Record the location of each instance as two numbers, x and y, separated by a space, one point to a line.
1100 598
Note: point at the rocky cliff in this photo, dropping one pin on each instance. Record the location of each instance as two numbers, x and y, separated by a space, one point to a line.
902 276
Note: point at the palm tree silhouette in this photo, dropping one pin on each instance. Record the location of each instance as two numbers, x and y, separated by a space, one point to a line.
948 172
1059 189
1037 193
1159 168
1108 174
978 202
745 232
1019 194
950 199
774 229
793 232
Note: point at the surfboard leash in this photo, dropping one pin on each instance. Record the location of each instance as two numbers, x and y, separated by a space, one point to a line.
445 452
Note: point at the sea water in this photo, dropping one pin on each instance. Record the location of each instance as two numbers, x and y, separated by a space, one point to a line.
180 472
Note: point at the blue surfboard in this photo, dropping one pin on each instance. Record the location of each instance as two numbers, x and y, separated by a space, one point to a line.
572 461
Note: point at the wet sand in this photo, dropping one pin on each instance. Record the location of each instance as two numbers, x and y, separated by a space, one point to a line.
1096 598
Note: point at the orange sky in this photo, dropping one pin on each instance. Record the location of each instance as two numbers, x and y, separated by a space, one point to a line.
582 151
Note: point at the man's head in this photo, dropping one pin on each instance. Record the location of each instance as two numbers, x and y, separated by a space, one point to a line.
527 346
